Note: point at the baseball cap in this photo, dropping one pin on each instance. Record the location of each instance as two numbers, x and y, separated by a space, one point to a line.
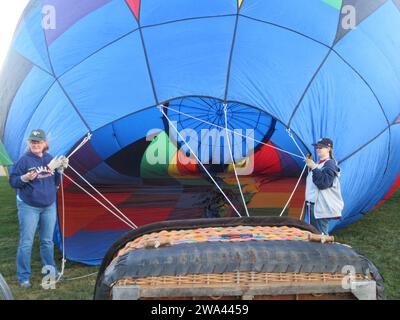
324 142
37 135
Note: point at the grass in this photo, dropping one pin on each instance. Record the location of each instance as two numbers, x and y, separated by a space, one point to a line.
375 236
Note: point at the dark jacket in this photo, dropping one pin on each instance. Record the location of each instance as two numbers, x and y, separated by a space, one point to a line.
42 191
323 178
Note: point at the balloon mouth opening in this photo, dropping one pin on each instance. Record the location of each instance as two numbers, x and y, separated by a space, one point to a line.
146 169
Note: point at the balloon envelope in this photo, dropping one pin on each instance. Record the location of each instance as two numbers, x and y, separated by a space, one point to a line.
105 66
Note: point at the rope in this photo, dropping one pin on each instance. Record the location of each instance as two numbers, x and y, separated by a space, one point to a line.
295 142
302 211
108 201
61 274
83 142
198 160
63 261
289 131
233 162
82 277
63 232
294 190
128 223
234 132
72 279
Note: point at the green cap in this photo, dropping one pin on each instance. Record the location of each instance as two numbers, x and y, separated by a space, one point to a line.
37 135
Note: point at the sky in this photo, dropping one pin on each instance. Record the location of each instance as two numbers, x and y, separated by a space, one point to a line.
10 11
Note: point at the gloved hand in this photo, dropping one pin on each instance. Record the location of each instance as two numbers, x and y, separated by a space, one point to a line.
64 162
55 163
310 163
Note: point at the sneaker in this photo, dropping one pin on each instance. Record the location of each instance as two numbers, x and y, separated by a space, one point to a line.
25 284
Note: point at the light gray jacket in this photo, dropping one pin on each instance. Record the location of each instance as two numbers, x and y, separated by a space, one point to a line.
323 189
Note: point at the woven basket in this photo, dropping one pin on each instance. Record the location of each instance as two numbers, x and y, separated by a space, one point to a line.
238 278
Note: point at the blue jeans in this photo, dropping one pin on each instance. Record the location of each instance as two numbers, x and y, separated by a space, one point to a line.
321 224
29 219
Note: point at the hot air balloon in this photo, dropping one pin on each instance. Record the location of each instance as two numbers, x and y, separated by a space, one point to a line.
273 76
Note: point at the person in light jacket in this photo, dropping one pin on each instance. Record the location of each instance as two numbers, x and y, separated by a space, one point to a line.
323 195
36 177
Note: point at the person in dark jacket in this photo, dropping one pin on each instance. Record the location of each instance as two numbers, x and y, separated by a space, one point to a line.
323 196
36 177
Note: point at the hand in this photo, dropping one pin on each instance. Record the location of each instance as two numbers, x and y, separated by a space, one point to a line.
64 162
310 163
31 175
55 163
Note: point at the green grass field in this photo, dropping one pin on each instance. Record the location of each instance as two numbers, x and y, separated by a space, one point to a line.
375 236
